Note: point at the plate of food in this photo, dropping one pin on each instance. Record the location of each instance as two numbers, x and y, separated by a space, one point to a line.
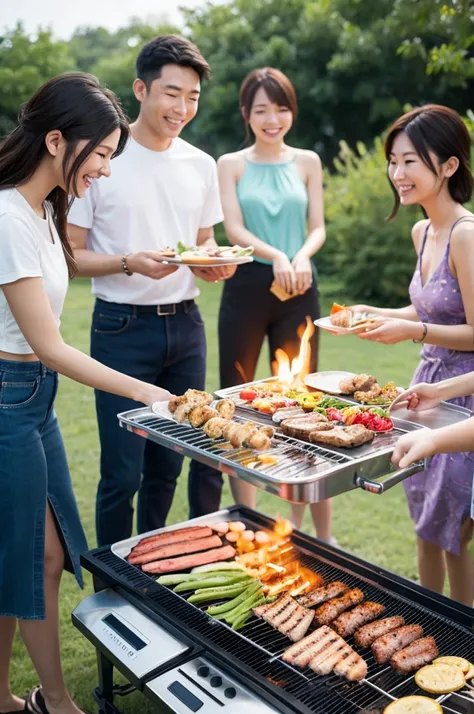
343 320
329 381
365 389
201 256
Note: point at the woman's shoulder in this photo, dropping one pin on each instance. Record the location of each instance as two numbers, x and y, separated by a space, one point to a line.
418 233
462 235
232 164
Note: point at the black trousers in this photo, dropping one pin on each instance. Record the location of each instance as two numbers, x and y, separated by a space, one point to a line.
249 312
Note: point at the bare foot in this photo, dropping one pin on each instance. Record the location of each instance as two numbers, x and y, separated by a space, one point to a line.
62 706
12 704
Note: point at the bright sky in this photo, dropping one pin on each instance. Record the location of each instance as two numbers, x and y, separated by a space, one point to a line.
65 15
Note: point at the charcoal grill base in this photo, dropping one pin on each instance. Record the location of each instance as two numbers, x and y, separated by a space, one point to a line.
253 654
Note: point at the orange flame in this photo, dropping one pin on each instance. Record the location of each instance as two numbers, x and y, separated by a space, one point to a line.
299 368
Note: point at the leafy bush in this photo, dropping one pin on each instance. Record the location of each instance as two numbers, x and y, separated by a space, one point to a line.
375 258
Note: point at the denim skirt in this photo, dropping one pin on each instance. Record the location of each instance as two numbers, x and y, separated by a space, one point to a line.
33 472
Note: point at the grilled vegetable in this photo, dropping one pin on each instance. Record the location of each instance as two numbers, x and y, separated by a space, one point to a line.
231 604
225 591
440 678
414 705
213 581
216 566
244 608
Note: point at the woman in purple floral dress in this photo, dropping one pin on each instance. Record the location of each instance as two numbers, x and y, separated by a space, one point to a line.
428 154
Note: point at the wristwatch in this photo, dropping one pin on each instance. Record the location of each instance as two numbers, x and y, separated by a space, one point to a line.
423 336
125 266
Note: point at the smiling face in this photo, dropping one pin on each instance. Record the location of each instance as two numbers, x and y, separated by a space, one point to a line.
412 178
171 100
269 121
97 163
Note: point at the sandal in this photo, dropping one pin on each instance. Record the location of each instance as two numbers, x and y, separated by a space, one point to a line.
35 703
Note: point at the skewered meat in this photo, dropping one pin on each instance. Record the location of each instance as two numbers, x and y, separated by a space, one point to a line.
325 651
342 436
369 633
286 616
321 594
213 428
386 646
172 549
268 431
241 432
228 429
259 441
414 656
198 416
364 382
226 408
177 536
347 623
302 426
332 608
190 561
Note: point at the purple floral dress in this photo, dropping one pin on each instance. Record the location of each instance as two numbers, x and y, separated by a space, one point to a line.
439 498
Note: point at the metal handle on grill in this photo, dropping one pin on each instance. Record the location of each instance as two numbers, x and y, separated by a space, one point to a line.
379 487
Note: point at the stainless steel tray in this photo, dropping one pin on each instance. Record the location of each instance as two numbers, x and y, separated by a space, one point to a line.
304 473
442 415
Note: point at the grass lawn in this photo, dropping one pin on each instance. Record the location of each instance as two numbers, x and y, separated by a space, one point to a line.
377 528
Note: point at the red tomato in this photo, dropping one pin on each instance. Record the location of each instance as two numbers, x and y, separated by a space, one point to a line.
248 395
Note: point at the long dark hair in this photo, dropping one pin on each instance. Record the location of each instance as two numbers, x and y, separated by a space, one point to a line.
440 130
277 86
80 108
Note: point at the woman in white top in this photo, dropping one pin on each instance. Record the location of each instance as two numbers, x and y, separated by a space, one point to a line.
66 136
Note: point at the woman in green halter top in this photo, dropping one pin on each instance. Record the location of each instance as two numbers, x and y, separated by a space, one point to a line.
272 197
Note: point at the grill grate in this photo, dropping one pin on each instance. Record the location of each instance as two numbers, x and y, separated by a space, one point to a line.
260 647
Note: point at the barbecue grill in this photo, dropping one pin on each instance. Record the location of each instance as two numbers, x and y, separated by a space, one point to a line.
184 660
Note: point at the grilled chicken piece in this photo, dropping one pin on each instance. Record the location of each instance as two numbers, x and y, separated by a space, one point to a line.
197 397
198 416
342 436
228 429
213 428
386 646
268 431
364 382
370 394
226 408
322 594
347 623
342 318
347 386
332 608
258 441
182 411
414 656
286 616
241 433
174 403
369 633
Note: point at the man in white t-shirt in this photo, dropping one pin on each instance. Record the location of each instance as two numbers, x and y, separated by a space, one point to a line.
162 190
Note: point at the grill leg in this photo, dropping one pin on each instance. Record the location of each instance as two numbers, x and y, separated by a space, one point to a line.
104 693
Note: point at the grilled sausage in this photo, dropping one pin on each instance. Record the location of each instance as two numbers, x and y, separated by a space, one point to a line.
384 647
332 608
414 656
169 551
190 561
369 633
180 535
322 594
347 623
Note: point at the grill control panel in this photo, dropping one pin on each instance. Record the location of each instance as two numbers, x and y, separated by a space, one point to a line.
199 686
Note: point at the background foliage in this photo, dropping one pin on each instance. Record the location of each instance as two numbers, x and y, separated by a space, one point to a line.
356 65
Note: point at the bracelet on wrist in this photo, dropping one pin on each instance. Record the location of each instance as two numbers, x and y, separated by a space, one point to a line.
423 336
125 267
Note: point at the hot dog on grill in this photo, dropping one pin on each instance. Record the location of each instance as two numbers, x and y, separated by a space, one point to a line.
386 646
178 536
190 561
169 551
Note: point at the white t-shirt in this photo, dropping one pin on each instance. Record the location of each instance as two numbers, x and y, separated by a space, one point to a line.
28 251
152 199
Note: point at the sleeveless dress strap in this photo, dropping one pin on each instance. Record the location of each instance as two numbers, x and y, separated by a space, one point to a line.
425 236
460 220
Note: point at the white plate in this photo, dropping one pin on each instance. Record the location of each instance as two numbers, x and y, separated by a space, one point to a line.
161 409
211 263
327 381
326 324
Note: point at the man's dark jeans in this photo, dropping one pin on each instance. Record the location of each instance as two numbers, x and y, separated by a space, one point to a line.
169 351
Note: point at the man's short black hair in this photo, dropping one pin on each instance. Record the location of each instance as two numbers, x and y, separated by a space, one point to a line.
169 49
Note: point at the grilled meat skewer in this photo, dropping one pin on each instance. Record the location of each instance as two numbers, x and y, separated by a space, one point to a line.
369 633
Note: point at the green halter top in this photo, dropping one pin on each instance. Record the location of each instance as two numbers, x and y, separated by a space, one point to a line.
274 204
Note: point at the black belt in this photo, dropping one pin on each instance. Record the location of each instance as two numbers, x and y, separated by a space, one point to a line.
162 310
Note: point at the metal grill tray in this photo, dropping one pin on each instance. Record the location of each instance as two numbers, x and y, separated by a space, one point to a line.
255 652
304 473
442 415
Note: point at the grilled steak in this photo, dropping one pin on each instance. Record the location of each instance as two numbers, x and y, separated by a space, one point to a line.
169 551
177 536
351 666
325 651
342 436
320 595
302 426
384 647
347 623
306 647
190 561
414 656
332 608
286 616
369 633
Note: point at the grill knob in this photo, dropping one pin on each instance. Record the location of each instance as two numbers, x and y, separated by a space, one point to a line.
216 681
230 692
203 671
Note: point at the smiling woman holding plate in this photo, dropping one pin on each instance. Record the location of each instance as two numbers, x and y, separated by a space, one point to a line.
428 154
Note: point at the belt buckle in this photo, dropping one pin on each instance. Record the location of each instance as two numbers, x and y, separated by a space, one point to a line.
166 310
